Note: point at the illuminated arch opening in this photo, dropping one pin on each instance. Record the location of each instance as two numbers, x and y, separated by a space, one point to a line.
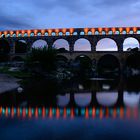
82 45
108 66
106 44
82 33
63 100
130 43
107 99
131 99
39 44
89 33
61 45
20 46
82 99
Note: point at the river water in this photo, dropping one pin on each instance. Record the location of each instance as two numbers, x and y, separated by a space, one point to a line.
91 109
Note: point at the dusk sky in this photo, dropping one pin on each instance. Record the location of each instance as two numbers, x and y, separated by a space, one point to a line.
32 14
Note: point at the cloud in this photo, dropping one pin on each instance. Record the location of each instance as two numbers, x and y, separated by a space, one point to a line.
29 14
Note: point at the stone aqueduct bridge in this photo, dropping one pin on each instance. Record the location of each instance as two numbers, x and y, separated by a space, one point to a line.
93 35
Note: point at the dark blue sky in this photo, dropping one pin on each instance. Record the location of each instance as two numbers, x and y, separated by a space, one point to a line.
30 14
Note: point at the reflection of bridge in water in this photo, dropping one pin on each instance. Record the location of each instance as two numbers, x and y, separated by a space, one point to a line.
94 36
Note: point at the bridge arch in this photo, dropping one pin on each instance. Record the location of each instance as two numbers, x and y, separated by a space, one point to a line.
83 99
130 43
20 46
131 99
107 99
61 45
106 44
108 64
40 43
82 44
63 100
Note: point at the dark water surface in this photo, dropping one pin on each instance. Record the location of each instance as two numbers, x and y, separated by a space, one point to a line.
105 109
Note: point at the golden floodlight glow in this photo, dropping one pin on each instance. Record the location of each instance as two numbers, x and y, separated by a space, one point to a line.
49 32
42 32
100 30
71 31
11 32
127 30
93 30
134 29
35 32
5 33
120 29
86 31
114 30
64 30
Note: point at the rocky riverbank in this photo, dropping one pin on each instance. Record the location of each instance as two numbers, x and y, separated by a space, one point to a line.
8 83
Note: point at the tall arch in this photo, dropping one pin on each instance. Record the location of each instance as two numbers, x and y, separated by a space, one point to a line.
106 44
130 43
82 44
61 45
39 44
20 46
108 65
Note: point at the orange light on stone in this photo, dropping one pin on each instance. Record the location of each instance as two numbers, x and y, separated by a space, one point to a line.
86 31
42 32
64 31
134 29
127 30
113 30
29 32
106 30
121 30
100 30
0 33
49 32
11 32
35 32
17 32
5 33
57 31
71 31
93 30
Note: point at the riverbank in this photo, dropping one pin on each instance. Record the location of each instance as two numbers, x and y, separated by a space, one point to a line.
8 83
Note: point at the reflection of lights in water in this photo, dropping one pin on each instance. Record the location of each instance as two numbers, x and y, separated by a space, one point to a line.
83 99
69 112
106 87
63 100
131 99
107 99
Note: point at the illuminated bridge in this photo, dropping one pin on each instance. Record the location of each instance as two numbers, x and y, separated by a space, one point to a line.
113 44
